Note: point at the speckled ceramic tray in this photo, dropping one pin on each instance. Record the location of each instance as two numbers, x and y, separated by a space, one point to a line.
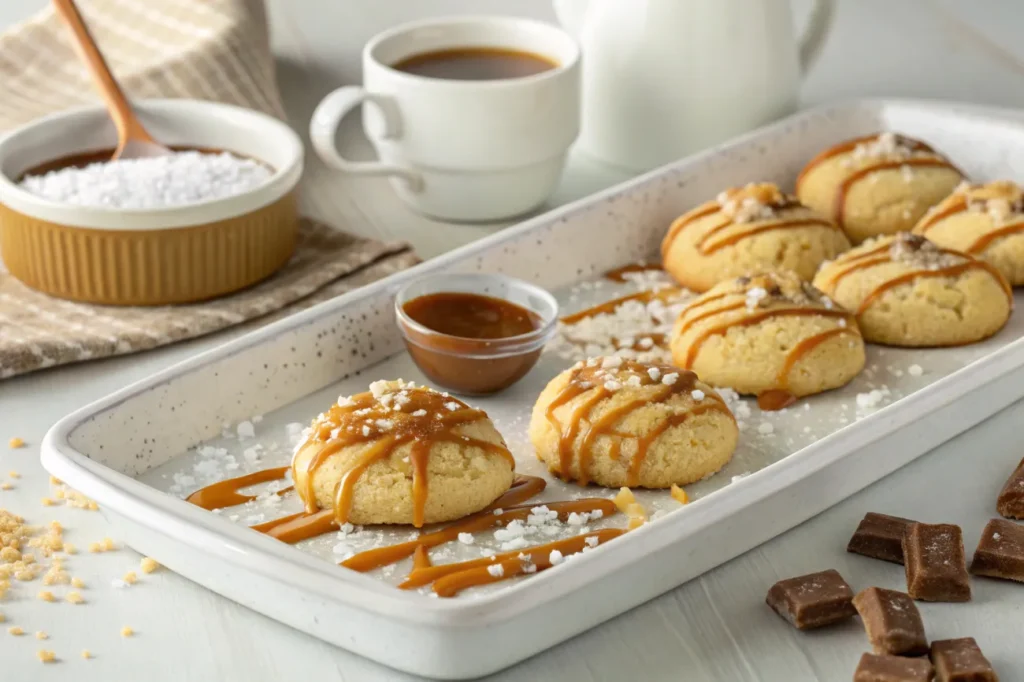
139 451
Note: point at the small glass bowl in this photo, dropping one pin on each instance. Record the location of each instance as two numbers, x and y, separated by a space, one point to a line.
476 366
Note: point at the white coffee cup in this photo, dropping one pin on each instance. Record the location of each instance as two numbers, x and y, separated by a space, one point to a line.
461 150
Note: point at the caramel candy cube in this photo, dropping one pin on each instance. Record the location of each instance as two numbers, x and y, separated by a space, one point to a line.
892 622
811 601
1011 500
874 668
935 563
880 537
1000 552
961 660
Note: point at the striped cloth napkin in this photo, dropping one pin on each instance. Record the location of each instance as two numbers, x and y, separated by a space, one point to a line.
204 49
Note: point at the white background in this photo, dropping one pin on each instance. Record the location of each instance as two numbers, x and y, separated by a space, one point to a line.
713 628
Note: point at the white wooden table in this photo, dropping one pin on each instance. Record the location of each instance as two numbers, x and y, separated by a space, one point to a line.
715 627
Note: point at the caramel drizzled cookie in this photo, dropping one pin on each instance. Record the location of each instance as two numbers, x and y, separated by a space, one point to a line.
876 185
768 334
619 422
755 228
907 291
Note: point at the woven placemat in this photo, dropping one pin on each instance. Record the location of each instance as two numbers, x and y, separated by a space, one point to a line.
204 49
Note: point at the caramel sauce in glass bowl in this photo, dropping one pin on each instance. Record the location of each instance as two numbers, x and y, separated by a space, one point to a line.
475 334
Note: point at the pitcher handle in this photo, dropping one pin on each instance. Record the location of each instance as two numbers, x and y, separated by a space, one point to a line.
816 32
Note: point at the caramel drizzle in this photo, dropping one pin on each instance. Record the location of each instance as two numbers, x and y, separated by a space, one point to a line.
872 257
225 493
608 307
959 206
850 145
450 579
384 556
579 425
705 246
754 318
619 274
342 427
839 210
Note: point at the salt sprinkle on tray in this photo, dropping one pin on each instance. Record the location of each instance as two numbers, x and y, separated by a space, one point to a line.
177 179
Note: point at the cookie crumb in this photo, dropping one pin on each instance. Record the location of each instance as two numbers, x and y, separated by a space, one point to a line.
13 474
77 582
108 545
42 635
74 598
15 630
46 656
47 502
46 595
130 578
148 565
95 547
127 631
679 495
69 548
15 443
86 654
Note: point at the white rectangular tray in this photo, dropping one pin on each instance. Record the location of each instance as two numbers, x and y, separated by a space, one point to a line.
129 449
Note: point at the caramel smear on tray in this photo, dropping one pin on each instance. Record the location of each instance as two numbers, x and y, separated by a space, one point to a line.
448 579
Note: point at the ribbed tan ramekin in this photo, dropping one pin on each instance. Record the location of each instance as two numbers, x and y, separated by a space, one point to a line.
157 256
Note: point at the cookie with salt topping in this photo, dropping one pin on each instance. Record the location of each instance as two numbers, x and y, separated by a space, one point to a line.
907 291
619 422
771 335
401 454
876 185
985 221
755 228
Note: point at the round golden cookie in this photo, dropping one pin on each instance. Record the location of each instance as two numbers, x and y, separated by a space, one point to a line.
618 422
875 185
986 221
401 454
755 228
906 291
768 333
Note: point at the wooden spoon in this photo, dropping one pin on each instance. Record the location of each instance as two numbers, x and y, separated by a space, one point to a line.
133 140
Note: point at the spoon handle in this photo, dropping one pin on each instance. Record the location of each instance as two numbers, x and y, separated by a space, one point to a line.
128 126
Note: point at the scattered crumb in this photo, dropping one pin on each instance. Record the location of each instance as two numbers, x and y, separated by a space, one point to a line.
679 494
74 598
69 548
108 545
47 502
16 631
15 443
127 631
6 486
86 654
149 565
623 499
497 570
77 582
130 578
2 618
94 547
46 595
46 656
13 474
42 635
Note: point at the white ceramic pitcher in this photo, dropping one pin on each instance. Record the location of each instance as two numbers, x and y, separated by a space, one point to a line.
665 78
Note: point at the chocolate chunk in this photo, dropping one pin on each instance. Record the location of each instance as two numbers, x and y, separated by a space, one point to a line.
1000 552
880 537
874 668
960 660
892 622
935 563
1011 500
811 601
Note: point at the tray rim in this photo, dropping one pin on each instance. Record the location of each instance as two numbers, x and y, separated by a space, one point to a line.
175 518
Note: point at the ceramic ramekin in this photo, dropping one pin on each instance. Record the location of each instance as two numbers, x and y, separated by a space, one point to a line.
156 256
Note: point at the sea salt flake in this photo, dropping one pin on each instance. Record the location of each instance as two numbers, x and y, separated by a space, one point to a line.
915 370
592 541
697 394
466 538
419 413
555 557
765 428
670 379
245 429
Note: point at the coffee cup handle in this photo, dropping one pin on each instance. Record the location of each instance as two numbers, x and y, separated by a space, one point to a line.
328 116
